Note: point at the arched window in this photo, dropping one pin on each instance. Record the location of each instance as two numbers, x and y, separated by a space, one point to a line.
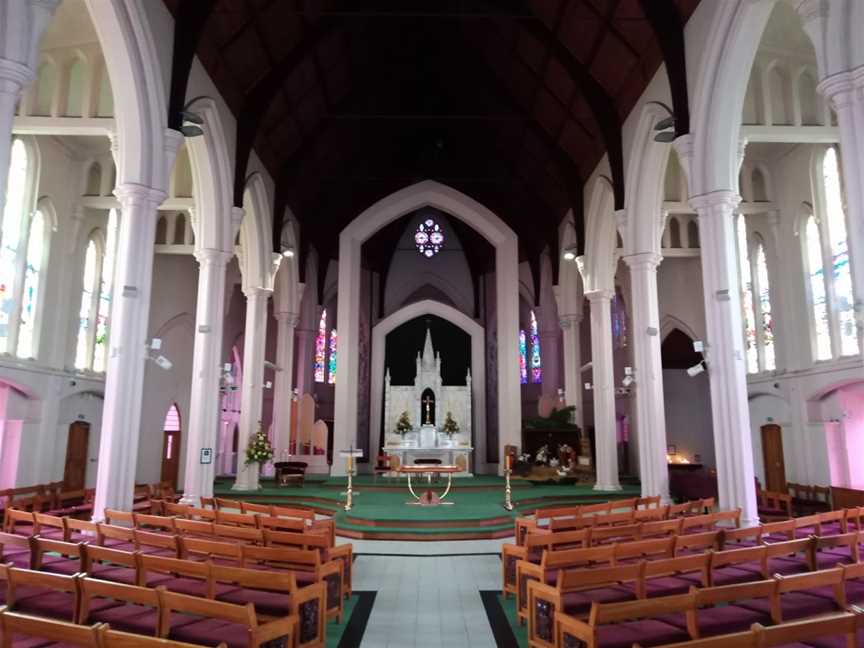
816 282
523 358
826 248
619 320
89 295
536 362
331 362
103 310
766 323
747 310
13 239
841 276
36 240
321 349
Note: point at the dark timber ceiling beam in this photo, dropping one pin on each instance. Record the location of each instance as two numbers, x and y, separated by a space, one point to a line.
189 22
665 20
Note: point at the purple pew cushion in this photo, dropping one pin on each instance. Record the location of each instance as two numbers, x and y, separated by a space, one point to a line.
45 603
60 565
114 573
788 565
733 576
724 619
266 603
577 603
647 632
208 632
854 591
128 617
794 605
669 585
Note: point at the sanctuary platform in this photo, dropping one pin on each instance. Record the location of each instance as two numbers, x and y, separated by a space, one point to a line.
381 510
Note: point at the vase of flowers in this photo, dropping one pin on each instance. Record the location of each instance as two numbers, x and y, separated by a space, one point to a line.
450 426
259 451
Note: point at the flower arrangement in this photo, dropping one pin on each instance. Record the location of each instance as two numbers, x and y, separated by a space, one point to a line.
259 450
403 425
542 456
450 425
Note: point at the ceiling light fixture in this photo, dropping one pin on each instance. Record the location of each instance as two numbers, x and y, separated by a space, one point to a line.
569 254
665 127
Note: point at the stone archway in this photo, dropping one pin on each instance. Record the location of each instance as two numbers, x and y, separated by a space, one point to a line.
478 368
490 226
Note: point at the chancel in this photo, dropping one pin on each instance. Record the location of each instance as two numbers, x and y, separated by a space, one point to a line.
432 312
428 403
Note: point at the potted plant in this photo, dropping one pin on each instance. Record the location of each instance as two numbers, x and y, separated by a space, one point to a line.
403 425
259 451
450 426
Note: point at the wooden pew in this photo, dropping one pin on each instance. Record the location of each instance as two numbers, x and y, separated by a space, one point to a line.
56 632
135 609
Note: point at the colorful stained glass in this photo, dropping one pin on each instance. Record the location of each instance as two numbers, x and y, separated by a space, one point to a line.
82 352
536 363
429 238
35 253
523 358
619 321
103 312
840 272
13 214
331 361
747 309
767 323
321 349
819 303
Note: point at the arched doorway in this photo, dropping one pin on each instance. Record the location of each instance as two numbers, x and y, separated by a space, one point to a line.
171 439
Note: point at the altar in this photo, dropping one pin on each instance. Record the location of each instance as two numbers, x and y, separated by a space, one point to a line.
442 411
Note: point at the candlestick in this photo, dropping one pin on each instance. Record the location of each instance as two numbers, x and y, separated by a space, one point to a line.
508 504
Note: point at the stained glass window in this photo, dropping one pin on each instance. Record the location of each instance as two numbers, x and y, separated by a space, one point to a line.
331 361
816 275
88 295
30 298
13 215
429 238
748 313
103 311
536 364
619 321
841 275
765 318
321 349
523 358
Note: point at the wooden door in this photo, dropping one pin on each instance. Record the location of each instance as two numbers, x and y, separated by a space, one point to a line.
170 457
75 472
772 454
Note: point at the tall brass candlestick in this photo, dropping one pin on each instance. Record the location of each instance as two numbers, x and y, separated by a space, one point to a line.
349 494
508 504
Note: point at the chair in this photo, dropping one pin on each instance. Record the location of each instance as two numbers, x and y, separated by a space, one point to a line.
290 473
382 467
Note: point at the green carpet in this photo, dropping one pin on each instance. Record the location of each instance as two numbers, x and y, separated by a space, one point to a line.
520 632
336 630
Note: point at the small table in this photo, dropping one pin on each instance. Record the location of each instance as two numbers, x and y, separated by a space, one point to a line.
429 498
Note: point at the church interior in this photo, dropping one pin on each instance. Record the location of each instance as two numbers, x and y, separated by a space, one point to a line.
432 323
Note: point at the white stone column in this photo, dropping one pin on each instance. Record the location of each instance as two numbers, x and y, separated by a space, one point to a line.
304 340
124 382
507 313
730 410
283 388
251 395
570 325
846 93
603 388
204 419
550 355
13 77
650 412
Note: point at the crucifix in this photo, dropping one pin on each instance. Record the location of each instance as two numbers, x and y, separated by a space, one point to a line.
427 401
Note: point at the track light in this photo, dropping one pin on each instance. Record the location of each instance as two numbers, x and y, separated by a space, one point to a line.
191 130
696 369
569 254
665 136
665 127
663 124
191 117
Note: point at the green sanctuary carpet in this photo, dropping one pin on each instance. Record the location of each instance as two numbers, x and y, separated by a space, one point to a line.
382 510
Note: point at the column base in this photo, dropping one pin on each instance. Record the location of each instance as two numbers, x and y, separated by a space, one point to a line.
607 487
749 523
190 500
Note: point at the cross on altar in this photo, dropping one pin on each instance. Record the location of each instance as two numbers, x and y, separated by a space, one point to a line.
427 401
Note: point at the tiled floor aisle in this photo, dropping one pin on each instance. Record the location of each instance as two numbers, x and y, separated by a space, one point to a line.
425 599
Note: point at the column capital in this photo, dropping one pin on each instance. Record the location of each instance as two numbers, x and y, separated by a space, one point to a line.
290 319
723 200
237 214
568 321
130 194
212 257
600 295
257 291
14 76
840 89
643 260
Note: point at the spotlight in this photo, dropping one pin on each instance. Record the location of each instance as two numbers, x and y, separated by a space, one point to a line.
628 380
696 369
191 130
288 252
665 123
569 254
163 362
665 136
191 117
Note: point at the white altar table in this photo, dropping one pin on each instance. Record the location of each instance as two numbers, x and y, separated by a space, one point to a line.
447 455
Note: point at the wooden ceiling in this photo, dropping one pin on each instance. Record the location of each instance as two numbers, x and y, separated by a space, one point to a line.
513 102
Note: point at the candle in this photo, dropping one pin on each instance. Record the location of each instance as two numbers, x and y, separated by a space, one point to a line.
507 462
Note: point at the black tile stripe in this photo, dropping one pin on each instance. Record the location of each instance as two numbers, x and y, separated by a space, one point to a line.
353 634
504 637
